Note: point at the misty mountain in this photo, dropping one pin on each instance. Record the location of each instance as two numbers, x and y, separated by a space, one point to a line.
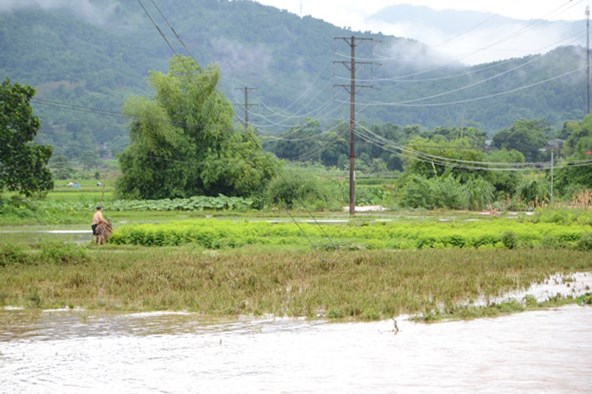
85 58
464 33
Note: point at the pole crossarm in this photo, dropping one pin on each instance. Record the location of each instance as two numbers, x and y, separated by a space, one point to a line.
348 87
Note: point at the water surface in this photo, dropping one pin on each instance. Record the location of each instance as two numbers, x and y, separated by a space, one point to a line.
78 351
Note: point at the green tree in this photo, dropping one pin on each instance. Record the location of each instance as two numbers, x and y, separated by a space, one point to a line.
302 143
23 164
575 172
61 167
184 141
505 182
525 136
438 156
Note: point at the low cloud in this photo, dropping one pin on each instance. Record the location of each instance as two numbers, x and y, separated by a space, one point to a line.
236 57
488 43
83 9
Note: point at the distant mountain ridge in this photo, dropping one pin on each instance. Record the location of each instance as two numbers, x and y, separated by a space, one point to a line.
84 63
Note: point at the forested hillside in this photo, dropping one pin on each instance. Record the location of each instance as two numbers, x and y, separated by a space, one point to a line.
85 63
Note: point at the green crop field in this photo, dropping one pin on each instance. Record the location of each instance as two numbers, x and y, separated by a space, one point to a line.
379 234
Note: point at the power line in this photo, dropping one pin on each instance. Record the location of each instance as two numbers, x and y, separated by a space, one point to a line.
157 27
425 157
77 108
412 104
474 69
174 31
310 86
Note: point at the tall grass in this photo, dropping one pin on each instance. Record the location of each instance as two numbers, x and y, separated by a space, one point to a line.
296 282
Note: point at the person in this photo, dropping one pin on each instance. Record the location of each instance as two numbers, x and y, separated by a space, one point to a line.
96 219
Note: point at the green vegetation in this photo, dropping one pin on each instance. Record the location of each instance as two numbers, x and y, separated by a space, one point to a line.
491 233
184 142
65 208
22 163
214 224
366 285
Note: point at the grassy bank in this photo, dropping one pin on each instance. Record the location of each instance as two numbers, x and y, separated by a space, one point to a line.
362 285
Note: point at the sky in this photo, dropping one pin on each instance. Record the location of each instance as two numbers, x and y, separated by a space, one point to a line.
355 14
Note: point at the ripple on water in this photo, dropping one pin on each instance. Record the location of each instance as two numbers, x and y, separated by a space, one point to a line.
74 351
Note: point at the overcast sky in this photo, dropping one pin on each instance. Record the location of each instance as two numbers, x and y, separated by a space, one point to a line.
467 48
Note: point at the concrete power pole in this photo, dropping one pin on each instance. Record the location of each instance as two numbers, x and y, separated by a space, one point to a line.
587 60
352 89
246 104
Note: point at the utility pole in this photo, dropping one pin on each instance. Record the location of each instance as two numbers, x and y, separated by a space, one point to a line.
587 60
352 89
246 104
552 167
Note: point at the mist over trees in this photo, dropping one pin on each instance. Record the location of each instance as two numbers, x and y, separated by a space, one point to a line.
86 58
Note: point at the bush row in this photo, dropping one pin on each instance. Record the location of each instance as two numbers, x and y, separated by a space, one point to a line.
216 234
50 252
22 208
563 216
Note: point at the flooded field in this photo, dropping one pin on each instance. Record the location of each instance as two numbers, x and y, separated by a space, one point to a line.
80 351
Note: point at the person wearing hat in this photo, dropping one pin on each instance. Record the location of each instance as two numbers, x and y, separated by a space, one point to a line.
96 219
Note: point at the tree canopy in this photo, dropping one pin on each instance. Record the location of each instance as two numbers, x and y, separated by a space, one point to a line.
576 171
525 136
23 164
184 141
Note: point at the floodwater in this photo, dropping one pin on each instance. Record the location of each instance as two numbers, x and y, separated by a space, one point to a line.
78 351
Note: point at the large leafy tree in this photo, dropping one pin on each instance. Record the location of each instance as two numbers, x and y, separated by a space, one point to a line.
526 136
23 164
576 171
184 141
438 156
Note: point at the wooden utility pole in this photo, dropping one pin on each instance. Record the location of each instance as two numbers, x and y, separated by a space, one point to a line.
246 104
352 89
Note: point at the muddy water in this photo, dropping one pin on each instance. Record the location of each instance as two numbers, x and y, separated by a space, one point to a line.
74 351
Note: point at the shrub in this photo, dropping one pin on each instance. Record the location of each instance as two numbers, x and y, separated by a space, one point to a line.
510 240
585 243
12 254
292 189
449 193
480 193
62 253
417 193
534 193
